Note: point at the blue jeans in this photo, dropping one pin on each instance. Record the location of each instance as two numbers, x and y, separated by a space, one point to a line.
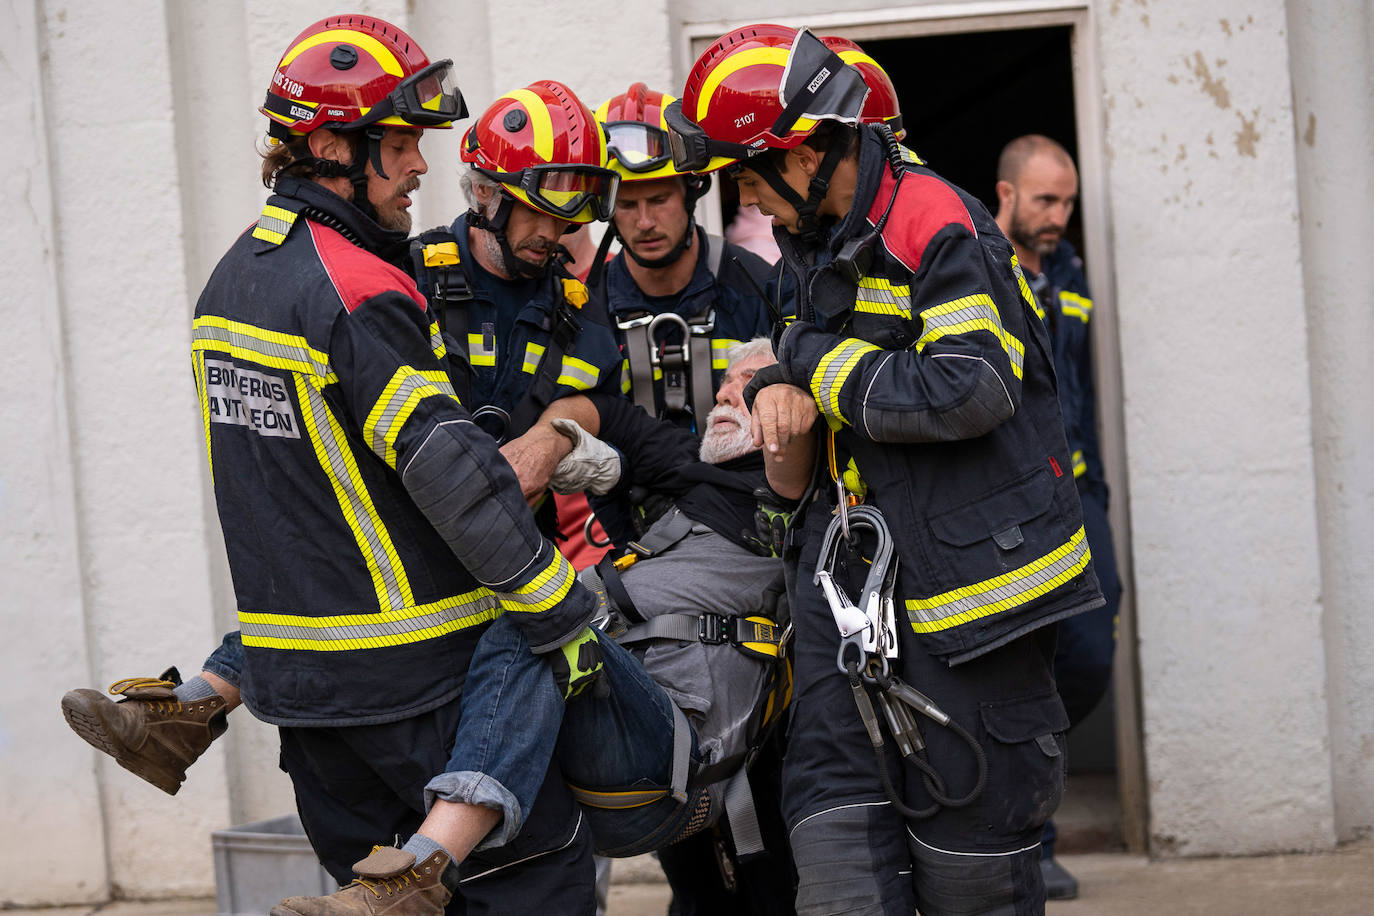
514 719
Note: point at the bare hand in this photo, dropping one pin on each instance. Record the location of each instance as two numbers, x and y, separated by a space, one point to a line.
534 456
782 414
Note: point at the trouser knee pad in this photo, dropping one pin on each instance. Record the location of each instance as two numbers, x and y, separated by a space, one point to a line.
987 884
851 859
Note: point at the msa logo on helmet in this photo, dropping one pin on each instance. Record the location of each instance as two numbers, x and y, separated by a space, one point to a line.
336 112
747 119
820 78
302 114
286 83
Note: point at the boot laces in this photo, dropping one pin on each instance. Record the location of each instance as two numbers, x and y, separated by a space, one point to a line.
392 884
166 707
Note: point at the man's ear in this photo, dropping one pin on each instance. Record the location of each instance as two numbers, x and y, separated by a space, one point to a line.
327 144
806 158
1006 193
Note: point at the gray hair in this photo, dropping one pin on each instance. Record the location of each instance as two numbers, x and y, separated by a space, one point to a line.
759 346
469 179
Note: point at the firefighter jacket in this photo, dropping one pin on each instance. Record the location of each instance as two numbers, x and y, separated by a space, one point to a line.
937 376
1063 302
723 303
508 326
349 477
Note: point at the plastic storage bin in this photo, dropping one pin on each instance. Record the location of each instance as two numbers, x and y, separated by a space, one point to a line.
258 864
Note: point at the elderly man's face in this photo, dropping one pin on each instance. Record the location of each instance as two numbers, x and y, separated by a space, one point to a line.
728 434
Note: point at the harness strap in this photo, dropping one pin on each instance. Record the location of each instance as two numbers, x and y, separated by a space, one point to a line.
758 637
563 332
434 256
743 818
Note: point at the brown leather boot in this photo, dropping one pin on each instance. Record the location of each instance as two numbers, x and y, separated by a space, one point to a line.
389 882
149 732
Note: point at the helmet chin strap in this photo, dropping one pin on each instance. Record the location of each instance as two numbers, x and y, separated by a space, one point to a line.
808 223
516 268
367 147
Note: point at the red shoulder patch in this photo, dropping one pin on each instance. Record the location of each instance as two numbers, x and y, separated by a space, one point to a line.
924 206
359 275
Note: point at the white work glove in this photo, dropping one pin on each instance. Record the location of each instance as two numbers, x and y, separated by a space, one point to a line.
592 465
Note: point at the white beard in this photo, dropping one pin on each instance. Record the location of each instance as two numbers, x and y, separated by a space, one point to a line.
723 442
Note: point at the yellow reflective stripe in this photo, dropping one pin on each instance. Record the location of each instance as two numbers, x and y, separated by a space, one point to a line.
966 315
879 297
541 125
542 592
1001 593
478 354
832 371
374 630
436 341
909 155
372 46
336 459
719 347
1075 305
573 373
274 224
198 370
267 348
738 61
1080 464
625 384
1026 293
407 388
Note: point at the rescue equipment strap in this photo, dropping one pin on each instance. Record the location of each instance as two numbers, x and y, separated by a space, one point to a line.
757 637
666 532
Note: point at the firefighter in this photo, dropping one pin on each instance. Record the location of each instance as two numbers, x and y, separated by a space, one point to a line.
943 464
373 530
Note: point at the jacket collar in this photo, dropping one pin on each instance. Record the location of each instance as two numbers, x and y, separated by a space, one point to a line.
295 194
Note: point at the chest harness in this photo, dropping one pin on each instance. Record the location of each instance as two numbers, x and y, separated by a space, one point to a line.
434 257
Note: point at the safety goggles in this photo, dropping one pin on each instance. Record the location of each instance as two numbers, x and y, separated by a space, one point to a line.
565 191
692 150
637 146
428 98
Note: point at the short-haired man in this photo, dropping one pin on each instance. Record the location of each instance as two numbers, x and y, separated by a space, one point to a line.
373 530
1037 188
946 464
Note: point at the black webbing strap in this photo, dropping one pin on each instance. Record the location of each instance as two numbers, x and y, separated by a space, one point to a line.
435 260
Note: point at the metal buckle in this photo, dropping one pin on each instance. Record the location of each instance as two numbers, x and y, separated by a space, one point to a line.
712 629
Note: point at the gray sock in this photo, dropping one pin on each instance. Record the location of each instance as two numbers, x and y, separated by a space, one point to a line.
423 847
197 688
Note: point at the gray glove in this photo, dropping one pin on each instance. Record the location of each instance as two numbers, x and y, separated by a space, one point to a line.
592 465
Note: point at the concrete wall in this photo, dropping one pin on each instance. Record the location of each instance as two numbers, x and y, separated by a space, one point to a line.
1332 48
1237 136
1218 405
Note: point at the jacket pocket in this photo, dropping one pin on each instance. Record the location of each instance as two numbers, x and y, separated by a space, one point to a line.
997 515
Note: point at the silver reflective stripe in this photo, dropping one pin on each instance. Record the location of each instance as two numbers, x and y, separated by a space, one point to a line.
407 389
966 315
357 507
371 630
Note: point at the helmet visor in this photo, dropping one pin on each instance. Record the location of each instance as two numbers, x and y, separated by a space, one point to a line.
637 146
428 98
565 191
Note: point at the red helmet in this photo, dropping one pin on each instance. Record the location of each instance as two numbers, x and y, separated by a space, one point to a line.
881 106
351 72
760 87
545 149
637 134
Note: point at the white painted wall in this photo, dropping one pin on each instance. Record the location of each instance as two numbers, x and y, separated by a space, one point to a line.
1333 88
1235 150
1215 364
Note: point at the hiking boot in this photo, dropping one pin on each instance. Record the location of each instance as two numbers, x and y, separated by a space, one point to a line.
148 732
389 882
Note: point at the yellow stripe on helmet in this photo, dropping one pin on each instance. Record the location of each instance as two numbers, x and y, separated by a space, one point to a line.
372 46
540 122
734 63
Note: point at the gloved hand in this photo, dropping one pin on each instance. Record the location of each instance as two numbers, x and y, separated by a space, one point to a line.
577 664
591 465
